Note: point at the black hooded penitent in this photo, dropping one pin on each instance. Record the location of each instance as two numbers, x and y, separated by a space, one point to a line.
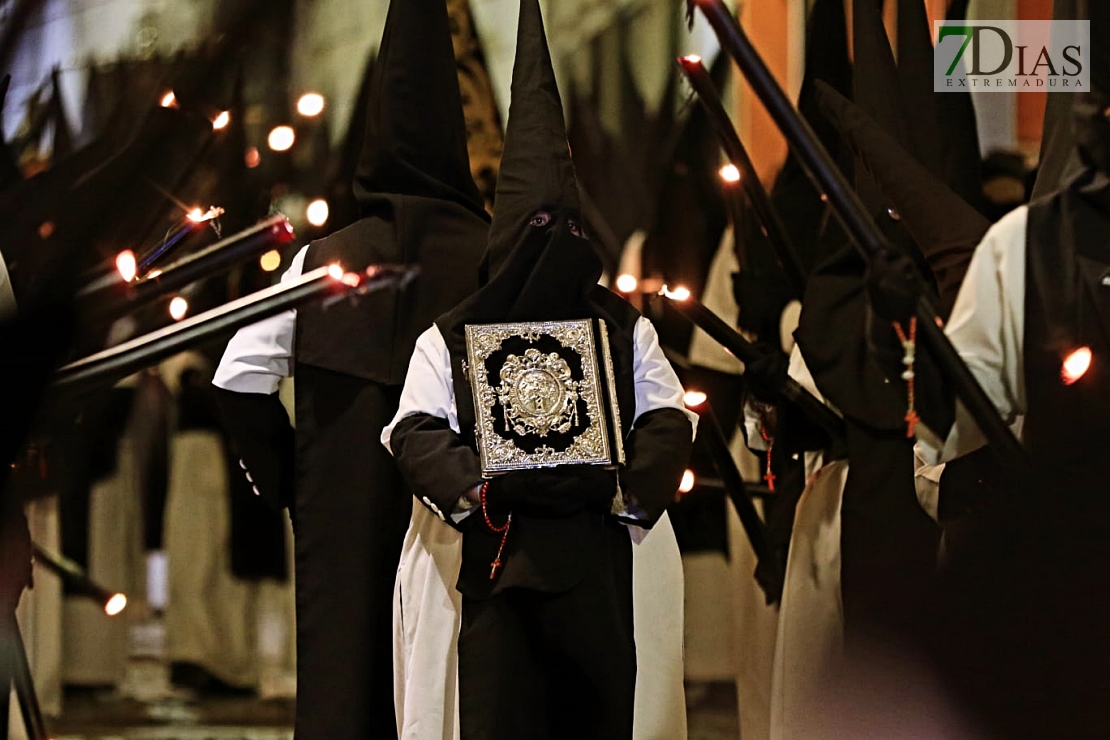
417 204
556 609
540 267
538 264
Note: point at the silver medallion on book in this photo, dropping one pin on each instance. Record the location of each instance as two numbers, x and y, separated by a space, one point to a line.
544 395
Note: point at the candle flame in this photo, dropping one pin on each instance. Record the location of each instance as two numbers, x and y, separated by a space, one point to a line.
127 265
178 308
270 261
282 138
1076 365
115 605
681 293
730 173
627 283
688 482
199 216
310 104
317 212
693 399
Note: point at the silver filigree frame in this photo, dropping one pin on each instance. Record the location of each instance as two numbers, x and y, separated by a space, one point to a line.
592 446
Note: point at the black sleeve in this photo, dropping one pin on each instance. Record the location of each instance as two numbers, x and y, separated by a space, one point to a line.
262 437
438 466
657 452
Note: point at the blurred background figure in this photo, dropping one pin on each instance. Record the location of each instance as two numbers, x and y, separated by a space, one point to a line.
220 543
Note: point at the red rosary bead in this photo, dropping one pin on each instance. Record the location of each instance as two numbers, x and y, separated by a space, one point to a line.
502 530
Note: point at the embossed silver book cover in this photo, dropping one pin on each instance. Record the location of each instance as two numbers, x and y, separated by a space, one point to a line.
544 395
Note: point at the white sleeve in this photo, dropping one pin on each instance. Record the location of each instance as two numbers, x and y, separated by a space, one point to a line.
428 385
429 390
657 385
926 480
987 329
260 355
7 295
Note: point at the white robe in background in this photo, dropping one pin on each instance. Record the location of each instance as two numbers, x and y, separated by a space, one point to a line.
811 614
40 619
210 614
95 646
810 631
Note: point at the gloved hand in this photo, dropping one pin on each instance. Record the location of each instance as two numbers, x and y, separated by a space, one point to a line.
893 286
553 493
766 375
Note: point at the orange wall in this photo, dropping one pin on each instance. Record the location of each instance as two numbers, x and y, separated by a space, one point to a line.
1031 105
765 21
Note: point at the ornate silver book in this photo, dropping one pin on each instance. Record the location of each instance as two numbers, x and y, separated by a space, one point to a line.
544 395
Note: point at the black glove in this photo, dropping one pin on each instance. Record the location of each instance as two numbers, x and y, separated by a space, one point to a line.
553 493
893 286
766 375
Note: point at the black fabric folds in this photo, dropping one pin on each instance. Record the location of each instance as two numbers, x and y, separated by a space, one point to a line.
658 452
945 228
416 134
263 441
417 201
437 465
809 221
536 168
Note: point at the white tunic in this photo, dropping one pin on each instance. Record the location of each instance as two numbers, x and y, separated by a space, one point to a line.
987 328
211 614
428 607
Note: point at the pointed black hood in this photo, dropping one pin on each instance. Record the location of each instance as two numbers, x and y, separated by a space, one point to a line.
915 78
416 134
539 265
1092 125
945 227
417 203
961 163
876 89
536 169
807 218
